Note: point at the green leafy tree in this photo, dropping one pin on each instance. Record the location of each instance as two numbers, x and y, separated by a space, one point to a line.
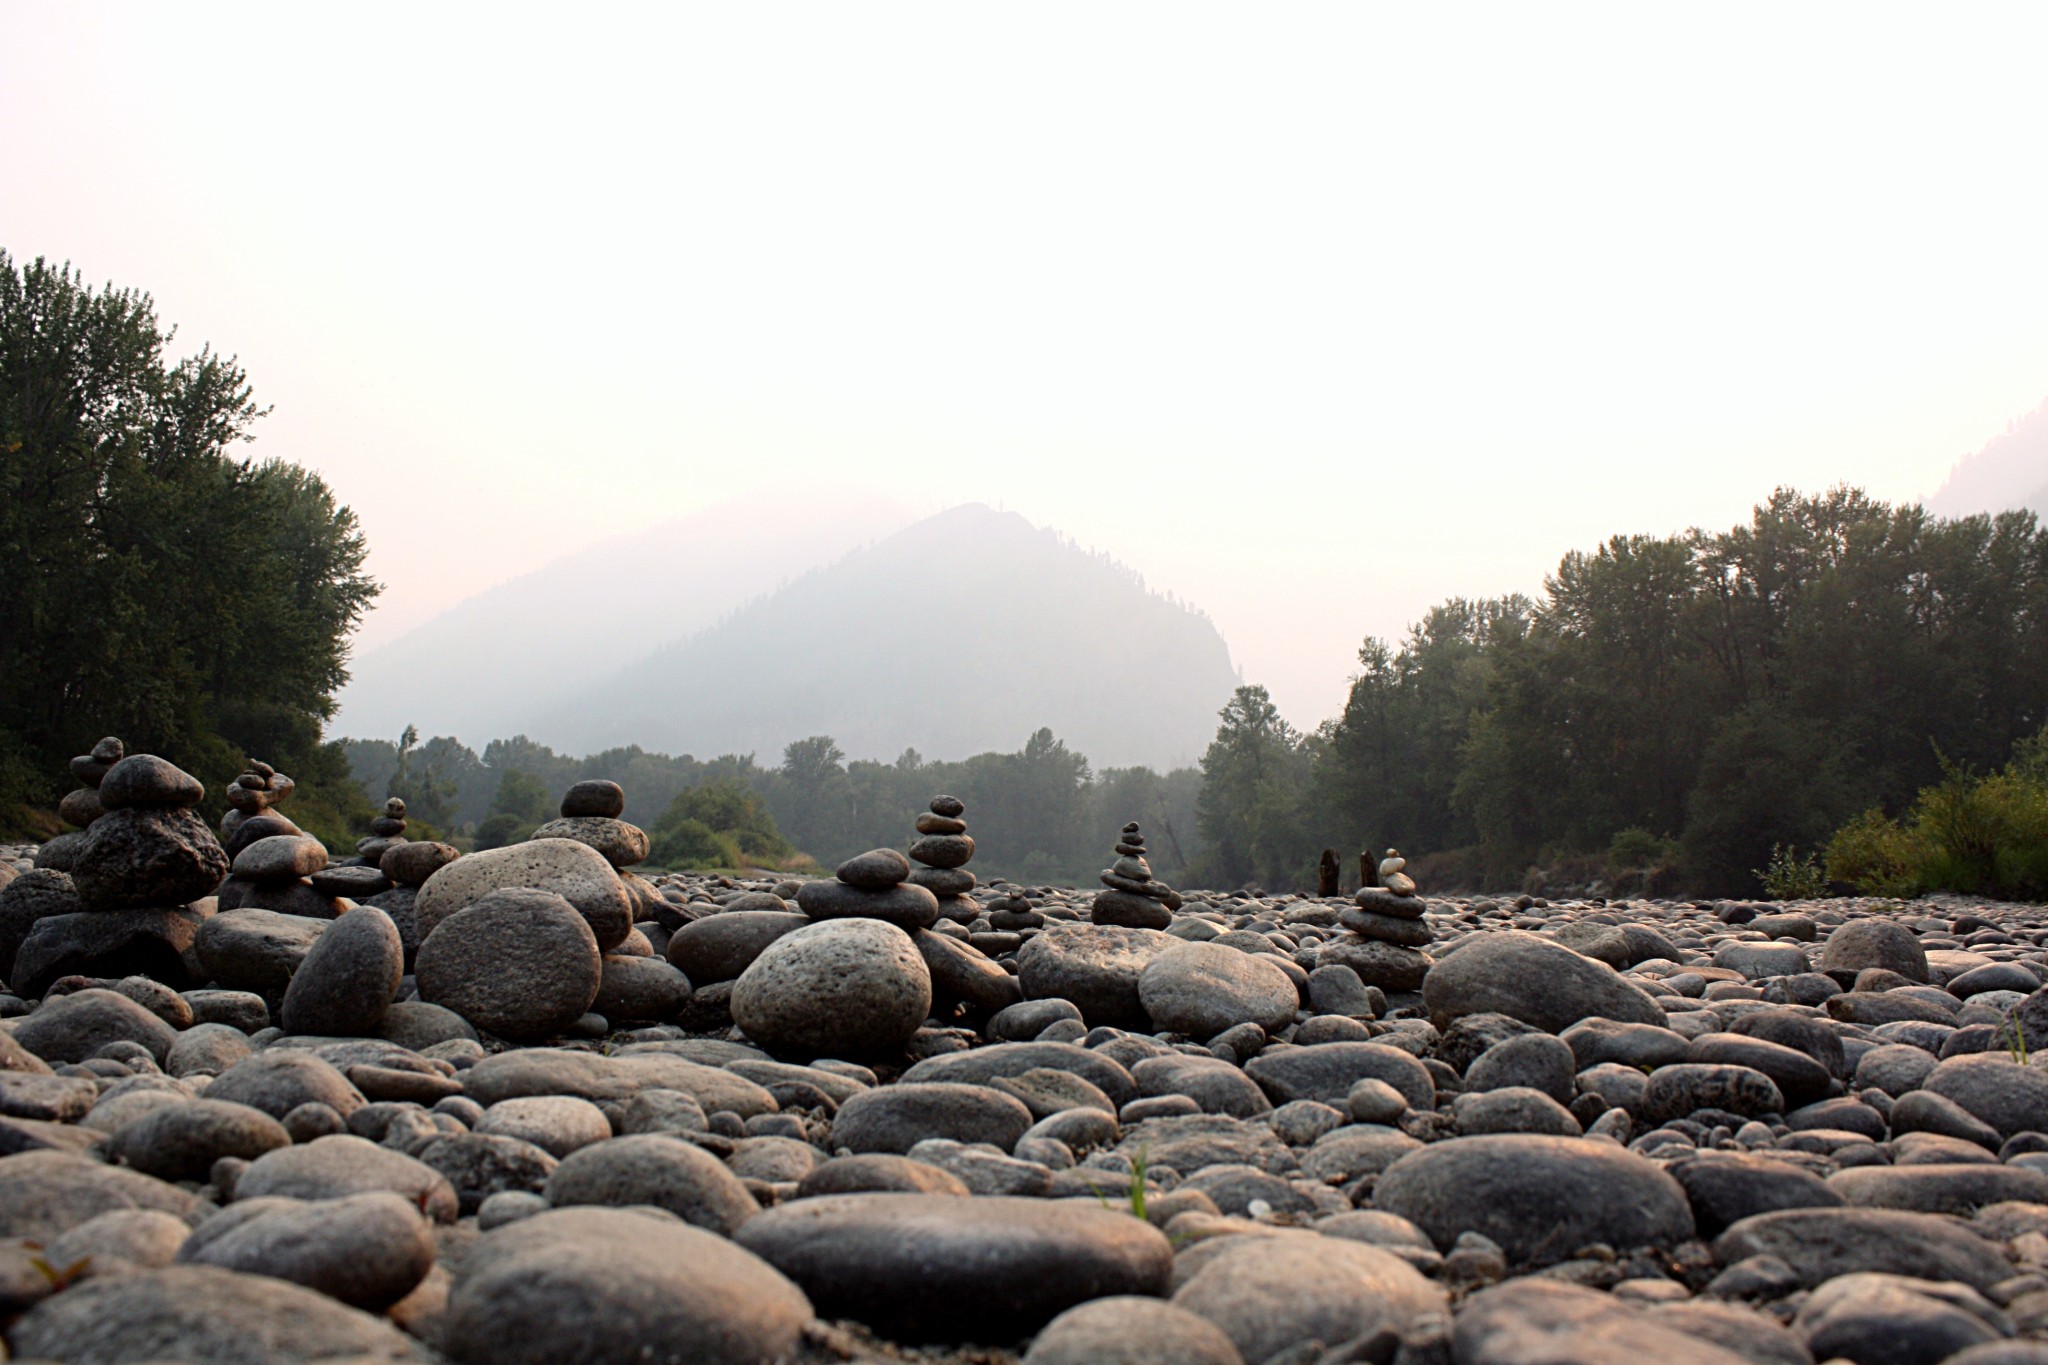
158 587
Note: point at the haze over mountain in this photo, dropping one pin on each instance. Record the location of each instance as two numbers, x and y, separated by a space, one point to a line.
957 635
490 665
2010 471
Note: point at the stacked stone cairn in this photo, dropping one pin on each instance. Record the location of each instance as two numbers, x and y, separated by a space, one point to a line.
1390 931
81 807
592 813
386 830
855 981
123 905
253 794
278 873
1013 910
637 986
942 850
1134 899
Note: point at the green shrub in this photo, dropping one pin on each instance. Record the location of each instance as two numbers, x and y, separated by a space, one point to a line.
1638 848
692 844
1876 855
1985 836
1790 877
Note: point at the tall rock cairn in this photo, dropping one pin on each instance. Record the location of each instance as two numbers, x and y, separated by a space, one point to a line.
1134 898
1390 912
942 850
141 861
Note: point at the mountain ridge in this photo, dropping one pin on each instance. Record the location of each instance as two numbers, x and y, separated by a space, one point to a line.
958 634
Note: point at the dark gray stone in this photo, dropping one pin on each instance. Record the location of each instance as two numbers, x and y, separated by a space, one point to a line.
1539 1198
141 857
366 1250
896 1118
196 1313
1541 983
346 981
935 1268
182 1141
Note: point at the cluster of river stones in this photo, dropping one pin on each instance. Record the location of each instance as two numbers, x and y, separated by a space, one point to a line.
527 1105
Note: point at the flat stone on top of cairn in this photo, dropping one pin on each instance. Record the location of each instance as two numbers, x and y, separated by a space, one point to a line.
1135 899
590 815
871 885
254 793
943 849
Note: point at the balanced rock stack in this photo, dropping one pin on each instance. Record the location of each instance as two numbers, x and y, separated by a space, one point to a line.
591 814
386 830
1134 900
253 794
1388 918
82 807
135 872
872 885
943 849
276 873
1013 910
637 986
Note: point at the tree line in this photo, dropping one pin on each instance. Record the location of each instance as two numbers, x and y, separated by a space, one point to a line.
1669 713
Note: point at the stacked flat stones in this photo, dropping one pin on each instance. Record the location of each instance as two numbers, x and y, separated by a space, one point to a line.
942 850
872 885
82 806
277 872
637 986
132 878
1134 898
386 830
1391 932
253 793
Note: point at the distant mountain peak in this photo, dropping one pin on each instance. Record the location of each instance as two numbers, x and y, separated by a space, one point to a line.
959 634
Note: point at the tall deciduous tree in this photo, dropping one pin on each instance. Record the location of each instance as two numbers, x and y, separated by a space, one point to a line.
158 587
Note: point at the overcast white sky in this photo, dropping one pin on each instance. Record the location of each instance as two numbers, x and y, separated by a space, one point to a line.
1313 314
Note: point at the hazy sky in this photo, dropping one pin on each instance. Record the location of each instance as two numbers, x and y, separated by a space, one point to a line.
1315 315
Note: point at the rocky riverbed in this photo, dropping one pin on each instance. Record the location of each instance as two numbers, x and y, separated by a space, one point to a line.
531 1105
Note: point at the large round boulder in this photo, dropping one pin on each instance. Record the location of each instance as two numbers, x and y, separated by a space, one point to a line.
1538 1197
608 1286
845 987
1096 967
1534 980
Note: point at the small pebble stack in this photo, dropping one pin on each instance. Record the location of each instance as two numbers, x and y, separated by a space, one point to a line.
943 849
872 885
82 807
253 794
1013 911
1134 900
386 830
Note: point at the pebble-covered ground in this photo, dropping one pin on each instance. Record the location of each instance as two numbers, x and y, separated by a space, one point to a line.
528 1105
